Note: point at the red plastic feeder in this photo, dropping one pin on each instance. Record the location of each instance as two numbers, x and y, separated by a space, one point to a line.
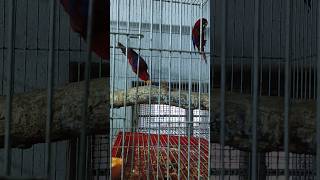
161 160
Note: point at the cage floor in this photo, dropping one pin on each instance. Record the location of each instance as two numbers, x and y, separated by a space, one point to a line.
160 157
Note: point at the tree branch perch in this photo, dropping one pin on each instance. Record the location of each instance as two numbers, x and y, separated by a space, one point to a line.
29 115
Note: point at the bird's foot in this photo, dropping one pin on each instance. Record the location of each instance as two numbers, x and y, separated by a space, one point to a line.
148 82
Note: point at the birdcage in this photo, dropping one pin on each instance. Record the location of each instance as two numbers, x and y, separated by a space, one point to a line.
158 138
261 78
248 112
41 57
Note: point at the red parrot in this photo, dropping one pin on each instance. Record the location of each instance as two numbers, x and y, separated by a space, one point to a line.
78 11
133 60
196 36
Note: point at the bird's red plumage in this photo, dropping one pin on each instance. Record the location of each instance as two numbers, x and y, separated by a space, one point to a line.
78 13
133 61
196 31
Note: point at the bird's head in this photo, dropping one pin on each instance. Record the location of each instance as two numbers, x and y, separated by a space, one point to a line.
204 23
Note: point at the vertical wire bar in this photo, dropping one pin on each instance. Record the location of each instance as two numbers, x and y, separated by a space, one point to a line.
38 22
112 95
50 85
211 68
298 57
199 93
296 60
9 94
313 61
310 52
232 50
21 162
242 48
170 56
287 88
271 40
262 40
315 78
83 139
126 91
25 50
159 99
133 125
305 48
279 62
295 75
294 53
255 88
180 59
112 85
301 55
189 121
58 42
3 37
86 157
149 124
318 94
222 83
137 85
279 78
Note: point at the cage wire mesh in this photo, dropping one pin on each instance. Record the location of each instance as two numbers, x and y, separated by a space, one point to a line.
245 45
157 139
31 32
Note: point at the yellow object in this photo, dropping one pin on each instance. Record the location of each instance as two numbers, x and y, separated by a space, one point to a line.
116 167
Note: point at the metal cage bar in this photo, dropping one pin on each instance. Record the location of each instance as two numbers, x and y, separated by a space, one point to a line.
180 59
11 60
211 83
160 64
50 86
287 87
255 88
170 87
289 165
318 95
222 84
83 139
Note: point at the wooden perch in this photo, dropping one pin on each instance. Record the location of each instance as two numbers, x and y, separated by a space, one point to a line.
238 117
29 115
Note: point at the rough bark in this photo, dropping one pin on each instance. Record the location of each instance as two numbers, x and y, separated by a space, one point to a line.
29 115
238 117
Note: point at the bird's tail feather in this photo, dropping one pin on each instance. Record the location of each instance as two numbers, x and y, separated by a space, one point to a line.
204 57
120 45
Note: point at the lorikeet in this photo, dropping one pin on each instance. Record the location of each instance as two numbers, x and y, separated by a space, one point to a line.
196 36
133 60
78 10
